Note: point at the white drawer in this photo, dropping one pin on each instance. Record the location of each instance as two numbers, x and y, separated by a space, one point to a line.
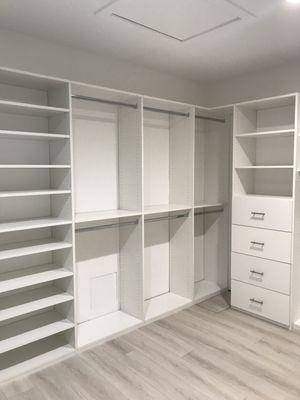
274 245
268 274
266 303
263 212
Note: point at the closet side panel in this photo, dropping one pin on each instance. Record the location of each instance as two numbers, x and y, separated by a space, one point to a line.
95 157
217 188
181 256
130 158
182 132
131 269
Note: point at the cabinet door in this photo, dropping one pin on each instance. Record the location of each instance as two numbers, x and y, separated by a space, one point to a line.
97 254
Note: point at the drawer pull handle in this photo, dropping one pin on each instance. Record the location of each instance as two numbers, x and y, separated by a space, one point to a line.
256 272
260 302
261 214
257 243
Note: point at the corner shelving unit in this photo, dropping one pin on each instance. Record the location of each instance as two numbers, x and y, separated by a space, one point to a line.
37 318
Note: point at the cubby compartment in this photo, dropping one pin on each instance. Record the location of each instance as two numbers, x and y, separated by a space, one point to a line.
168 262
168 156
264 181
110 278
211 198
107 154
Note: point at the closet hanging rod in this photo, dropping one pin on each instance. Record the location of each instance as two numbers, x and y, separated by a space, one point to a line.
159 110
221 120
209 212
103 101
116 225
166 218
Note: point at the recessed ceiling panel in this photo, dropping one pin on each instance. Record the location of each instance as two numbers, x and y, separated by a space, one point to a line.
183 19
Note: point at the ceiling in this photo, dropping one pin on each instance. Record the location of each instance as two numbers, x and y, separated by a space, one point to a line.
196 39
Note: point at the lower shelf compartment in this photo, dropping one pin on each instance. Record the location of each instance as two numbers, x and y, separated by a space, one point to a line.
164 304
205 289
32 357
105 327
32 329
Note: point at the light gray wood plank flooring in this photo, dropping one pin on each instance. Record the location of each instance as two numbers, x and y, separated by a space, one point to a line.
207 352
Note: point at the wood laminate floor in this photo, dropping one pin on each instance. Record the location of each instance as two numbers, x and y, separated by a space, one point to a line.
206 352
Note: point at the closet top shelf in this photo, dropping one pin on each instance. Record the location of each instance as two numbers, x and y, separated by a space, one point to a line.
265 167
104 215
14 107
282 132
31 135
162 208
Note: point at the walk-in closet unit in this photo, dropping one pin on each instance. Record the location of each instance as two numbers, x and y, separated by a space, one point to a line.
119 209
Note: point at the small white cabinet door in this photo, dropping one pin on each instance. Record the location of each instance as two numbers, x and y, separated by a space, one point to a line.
97 257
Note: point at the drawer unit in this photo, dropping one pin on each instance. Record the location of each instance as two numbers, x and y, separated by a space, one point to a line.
265 303
263 212
267 274
264 243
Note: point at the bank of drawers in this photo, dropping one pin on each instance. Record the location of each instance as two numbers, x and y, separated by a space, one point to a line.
261 256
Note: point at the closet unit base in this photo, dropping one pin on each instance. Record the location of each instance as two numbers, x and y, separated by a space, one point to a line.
106 328
204 290
164 305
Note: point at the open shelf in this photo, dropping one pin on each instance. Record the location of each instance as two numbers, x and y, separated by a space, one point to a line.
9 134
265 167
31 247
31 276
35 223
34 166
163 305
267 134
105 327
22 303
163 208
104 215
14 107
33 356
25 193
208 204
205 289
32 329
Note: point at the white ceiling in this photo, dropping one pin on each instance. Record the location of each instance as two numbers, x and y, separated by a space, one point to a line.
196 39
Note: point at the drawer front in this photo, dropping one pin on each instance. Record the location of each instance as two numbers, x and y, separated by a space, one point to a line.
264 243
266 303
263 212
256 271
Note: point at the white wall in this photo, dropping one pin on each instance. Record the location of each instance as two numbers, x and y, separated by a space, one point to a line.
264 83
31 54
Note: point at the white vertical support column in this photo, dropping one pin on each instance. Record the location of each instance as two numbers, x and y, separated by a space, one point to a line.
75 287
295 266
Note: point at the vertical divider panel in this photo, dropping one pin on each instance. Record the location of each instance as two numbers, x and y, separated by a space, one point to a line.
130 157
182 139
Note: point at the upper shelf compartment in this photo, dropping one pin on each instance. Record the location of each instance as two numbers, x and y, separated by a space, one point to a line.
268 116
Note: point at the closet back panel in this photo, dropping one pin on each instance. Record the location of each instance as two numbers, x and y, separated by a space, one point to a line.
95 142
157 259
156 158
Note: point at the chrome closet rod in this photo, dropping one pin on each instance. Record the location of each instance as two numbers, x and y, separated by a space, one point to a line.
209 212
97 100
170 112
166 218
221 120
117 225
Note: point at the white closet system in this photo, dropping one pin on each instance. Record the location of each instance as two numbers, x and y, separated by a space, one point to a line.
115 211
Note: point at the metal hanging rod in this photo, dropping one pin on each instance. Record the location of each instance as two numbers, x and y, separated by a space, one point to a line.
209 212
116 225
159 110
221 120
96 100
166 218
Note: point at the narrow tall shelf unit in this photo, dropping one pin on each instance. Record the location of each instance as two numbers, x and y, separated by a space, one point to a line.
37 321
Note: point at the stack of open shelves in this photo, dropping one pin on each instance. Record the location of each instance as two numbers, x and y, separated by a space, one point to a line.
36 258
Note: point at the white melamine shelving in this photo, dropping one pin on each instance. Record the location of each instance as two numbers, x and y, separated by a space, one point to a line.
264 167
36 223
30 301
266 134
208 204
163 305
163 208
95 216
32 329
31 276
13 226
28 193
31 247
